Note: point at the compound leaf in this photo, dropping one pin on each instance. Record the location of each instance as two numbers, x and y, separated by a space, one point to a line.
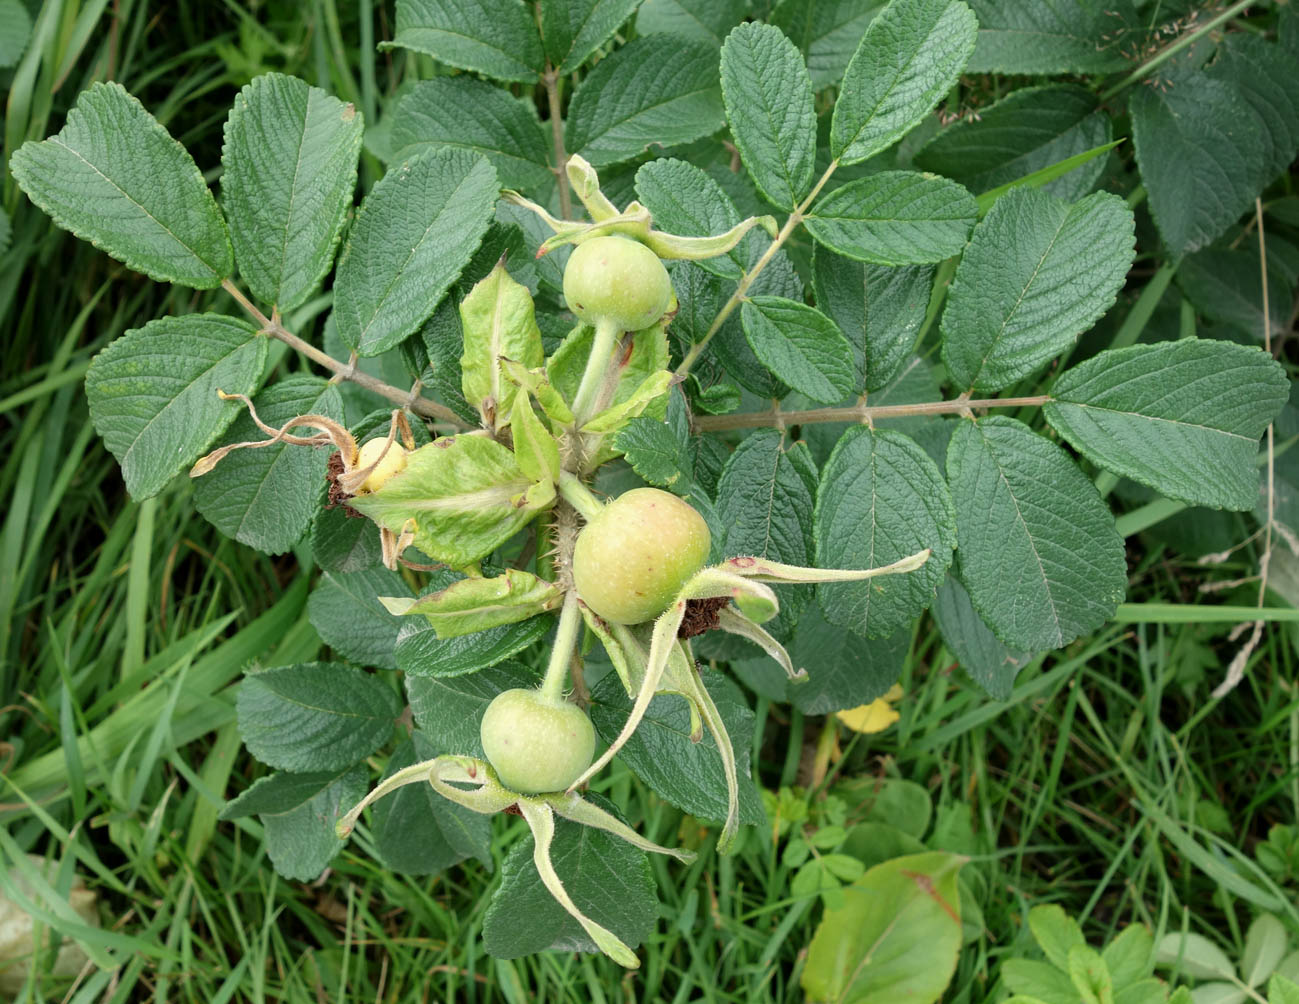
115 177
497 38
315 715
289 163
153 392
658 89
895 218
1038 272
768 97
1040 555
1183 417
473 115
910 56
414 233
344 609
881 498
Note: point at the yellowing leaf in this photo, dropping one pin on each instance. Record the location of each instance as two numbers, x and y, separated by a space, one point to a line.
874 717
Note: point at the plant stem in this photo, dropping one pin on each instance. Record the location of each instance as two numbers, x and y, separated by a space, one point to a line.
597 365
346 371
579 496
570 624
1168 52
857 413
552 80
795 218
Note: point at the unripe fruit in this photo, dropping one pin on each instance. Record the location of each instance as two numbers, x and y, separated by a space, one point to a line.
618 280
536 743
393 462
632 559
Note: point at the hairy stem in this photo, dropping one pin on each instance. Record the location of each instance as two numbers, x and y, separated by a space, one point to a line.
858 413
346 371
795 218
570 626
579 496
553 82
597 365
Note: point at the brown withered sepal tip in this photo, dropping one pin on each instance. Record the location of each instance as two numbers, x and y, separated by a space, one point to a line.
701 616
337 496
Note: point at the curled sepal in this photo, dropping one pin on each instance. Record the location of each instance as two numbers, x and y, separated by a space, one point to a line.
490 796
699 248
476 604
586 185
756 601
765 570
662 641
733 622
331 432
572 806
541 820
633 222
557 225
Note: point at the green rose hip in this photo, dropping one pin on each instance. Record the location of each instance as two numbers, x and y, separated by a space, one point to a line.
536 743
634 556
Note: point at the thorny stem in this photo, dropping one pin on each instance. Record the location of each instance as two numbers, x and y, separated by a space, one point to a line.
552 80
858 413
346 371
1169 51
561 654
795 218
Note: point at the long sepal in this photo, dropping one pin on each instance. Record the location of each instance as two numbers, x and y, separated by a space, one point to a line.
541 820
572 806
703 701
413 774
736 623
698 248
765 570
664 637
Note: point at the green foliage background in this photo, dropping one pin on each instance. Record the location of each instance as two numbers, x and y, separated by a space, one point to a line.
1108 781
